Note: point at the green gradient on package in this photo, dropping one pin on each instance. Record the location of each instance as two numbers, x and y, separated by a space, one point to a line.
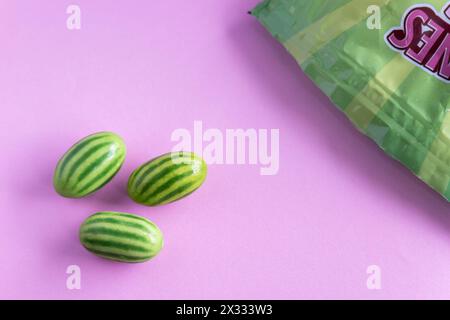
287 17
400 106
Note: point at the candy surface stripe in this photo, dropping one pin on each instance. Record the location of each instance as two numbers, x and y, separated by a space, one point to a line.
167 178
120 236
152 169
76 151
89 165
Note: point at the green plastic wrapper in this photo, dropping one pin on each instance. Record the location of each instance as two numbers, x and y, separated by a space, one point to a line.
385 64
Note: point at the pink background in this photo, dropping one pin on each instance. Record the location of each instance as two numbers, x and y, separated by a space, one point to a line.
146 68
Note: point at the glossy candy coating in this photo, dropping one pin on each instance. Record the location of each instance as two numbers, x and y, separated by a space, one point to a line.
167 178
121 237
89 164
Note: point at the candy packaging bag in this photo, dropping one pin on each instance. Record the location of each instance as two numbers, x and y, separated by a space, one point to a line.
385 64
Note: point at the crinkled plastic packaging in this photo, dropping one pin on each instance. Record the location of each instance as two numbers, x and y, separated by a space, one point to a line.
385 64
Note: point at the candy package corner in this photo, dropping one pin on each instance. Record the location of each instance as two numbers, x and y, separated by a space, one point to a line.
385 64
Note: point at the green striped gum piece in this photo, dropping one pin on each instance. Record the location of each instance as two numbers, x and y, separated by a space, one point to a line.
167 178
121 237
89 164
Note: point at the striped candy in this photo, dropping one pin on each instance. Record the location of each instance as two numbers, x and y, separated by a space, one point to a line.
89 165
167 178
121 237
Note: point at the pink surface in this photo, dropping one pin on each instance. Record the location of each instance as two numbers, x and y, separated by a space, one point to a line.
146 68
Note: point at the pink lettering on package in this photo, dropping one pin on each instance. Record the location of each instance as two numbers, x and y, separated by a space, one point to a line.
424 38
